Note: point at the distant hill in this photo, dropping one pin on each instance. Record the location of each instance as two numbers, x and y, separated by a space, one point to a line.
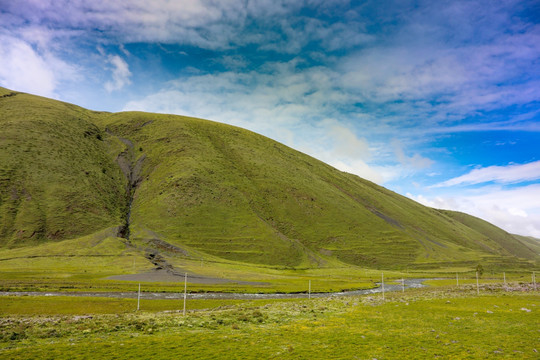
531 242
197 187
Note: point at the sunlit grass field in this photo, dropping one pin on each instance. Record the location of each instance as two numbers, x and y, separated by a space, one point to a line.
84 264
445 322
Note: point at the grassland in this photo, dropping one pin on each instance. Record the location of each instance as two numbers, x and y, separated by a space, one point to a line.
189 189
444 323
84 264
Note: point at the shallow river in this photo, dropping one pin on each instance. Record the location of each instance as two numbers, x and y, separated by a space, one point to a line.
409 283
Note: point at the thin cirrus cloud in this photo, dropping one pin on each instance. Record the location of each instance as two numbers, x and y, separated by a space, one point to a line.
510 174
207 24
120 74
441 86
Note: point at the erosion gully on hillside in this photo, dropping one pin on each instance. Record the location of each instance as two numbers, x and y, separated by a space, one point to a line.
408 283
131 168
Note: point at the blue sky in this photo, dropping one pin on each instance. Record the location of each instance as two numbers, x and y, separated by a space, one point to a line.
436 100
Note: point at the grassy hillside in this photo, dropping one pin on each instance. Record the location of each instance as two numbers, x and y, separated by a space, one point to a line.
189 188
56 178
509 242
236 195
531 242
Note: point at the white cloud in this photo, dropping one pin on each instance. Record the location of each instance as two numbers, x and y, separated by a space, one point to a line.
24 69
360 168
515 210
416 161
290 106
209 24
205 23
446 63
388 73
514 173
120 74
433 85
345 142
234 62
275 95
28 63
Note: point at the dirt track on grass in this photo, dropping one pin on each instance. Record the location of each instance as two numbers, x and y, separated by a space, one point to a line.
162 275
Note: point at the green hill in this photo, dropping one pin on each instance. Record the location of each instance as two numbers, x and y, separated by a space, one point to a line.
506 241
530 242
57 180
192 188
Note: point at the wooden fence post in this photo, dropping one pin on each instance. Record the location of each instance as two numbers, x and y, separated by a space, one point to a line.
139 297
185 293
477 286
382 283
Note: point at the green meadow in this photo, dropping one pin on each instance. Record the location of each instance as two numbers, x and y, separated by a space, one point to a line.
443 322
85 264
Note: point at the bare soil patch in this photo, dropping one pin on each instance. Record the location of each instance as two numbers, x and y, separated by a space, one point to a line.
162 275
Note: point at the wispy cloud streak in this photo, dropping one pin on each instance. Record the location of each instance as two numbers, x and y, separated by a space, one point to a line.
514 173
120 74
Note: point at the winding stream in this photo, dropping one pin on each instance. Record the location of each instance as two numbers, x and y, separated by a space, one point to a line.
409 283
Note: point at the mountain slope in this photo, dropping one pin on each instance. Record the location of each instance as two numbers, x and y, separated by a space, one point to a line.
203 189
511 243
529 241
57 180
236 195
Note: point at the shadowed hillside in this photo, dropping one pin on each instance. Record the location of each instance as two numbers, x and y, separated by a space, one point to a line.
197 188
